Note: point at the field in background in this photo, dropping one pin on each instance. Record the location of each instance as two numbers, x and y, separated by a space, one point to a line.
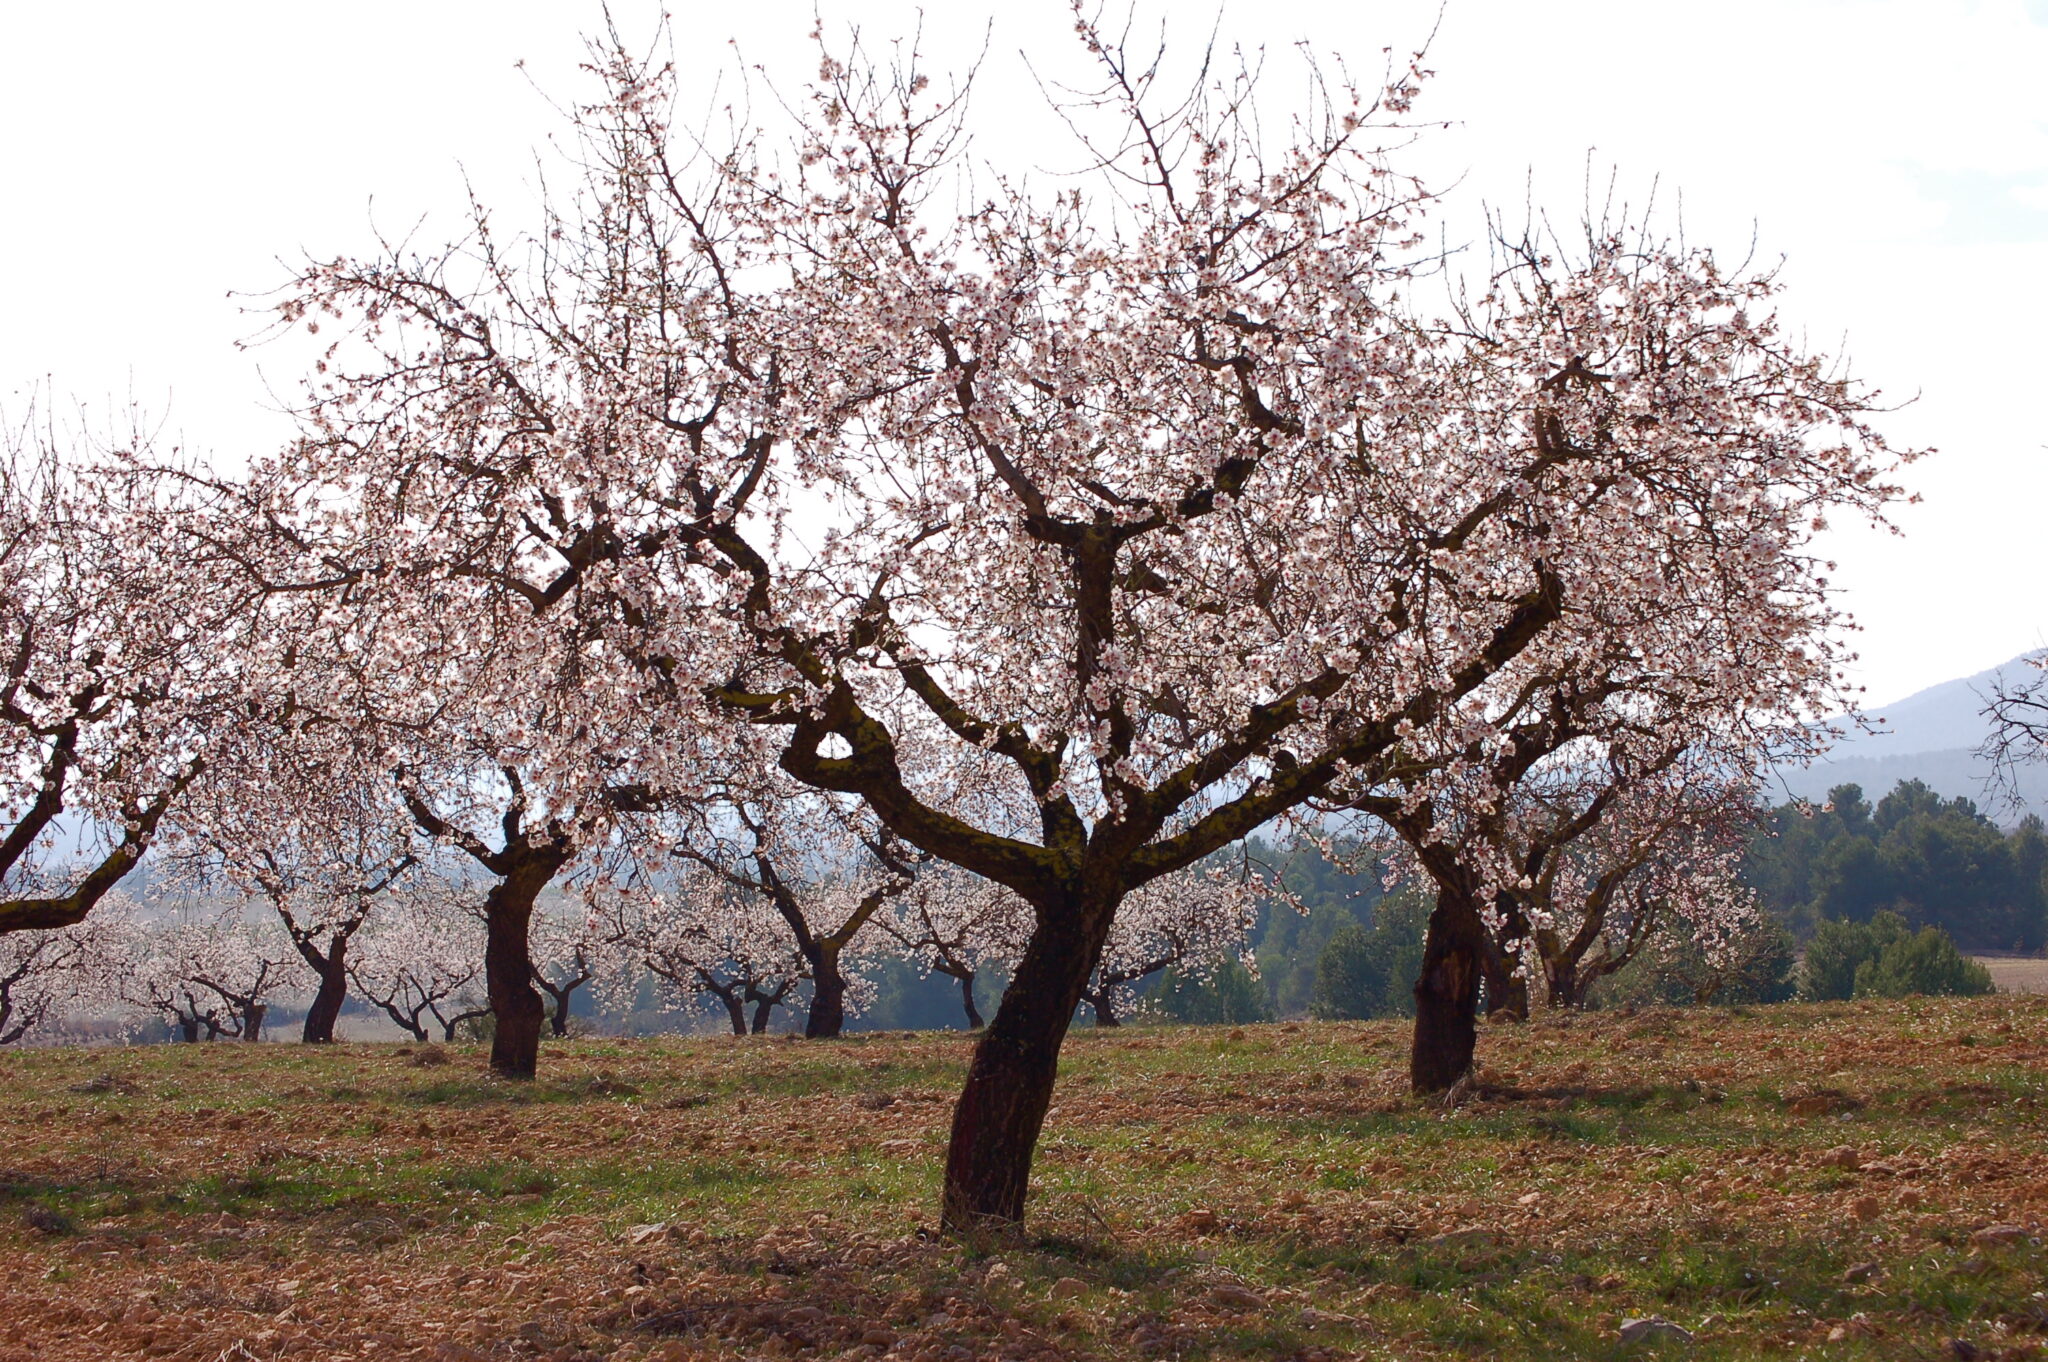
2017 973
1842 1181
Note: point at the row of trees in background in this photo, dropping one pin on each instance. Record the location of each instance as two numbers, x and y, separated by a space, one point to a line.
771 538
1934 862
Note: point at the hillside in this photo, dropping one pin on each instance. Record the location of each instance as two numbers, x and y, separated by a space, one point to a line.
1845 1181
1931 735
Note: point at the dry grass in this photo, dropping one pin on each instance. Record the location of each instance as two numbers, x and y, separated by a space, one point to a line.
1849 1181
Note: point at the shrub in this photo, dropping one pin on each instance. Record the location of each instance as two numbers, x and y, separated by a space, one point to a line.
1757 967
1926 962
1351 982
1840 948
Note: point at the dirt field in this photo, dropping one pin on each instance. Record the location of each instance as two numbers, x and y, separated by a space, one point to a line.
1846 1181
2017 974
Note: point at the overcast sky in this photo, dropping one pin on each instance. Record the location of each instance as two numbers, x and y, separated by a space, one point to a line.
157 160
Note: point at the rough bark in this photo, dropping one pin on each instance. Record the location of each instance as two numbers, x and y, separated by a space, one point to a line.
508 965
328 998
1447 996
736 1011
1009 1084
763 1006
827 1016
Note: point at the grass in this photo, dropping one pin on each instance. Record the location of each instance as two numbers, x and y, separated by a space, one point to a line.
1846 1181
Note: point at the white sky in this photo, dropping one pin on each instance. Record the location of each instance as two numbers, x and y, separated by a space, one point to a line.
155 159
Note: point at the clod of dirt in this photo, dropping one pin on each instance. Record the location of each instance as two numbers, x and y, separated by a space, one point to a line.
1231 1296
432 1057
101 1083
43 1220
1841 1156
1653 1330
1066 1288
1998 1236
874 1101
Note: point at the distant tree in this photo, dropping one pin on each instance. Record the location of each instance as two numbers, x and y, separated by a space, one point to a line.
1927 962
47 975
1367 972
211 972
568 945
422 959
1194 922
959 925
1350 983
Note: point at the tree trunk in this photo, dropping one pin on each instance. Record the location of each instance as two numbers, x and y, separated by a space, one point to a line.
329 997
763 1005
736 1011
508 967
558 1016
1009 1082
1447 996
1565 989
252 1020
974 1022
188 1030
1105 1010
1507 992
828 994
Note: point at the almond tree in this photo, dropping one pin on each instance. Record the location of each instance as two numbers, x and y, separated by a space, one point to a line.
568 952
275 819
114 662
1191 923
1155 502
213 972
823 863
705 938
958 925
421 959
1574 864
47 975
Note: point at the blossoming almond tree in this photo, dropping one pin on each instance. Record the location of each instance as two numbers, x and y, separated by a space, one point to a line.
1191 922
421 957
703 938
211 971
277 820
116 663
821 861
1155 501
959 925
48 975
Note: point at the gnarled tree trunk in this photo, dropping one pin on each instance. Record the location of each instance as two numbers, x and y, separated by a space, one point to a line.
508 966
827 1016
1447 996
1009 1084
328 998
